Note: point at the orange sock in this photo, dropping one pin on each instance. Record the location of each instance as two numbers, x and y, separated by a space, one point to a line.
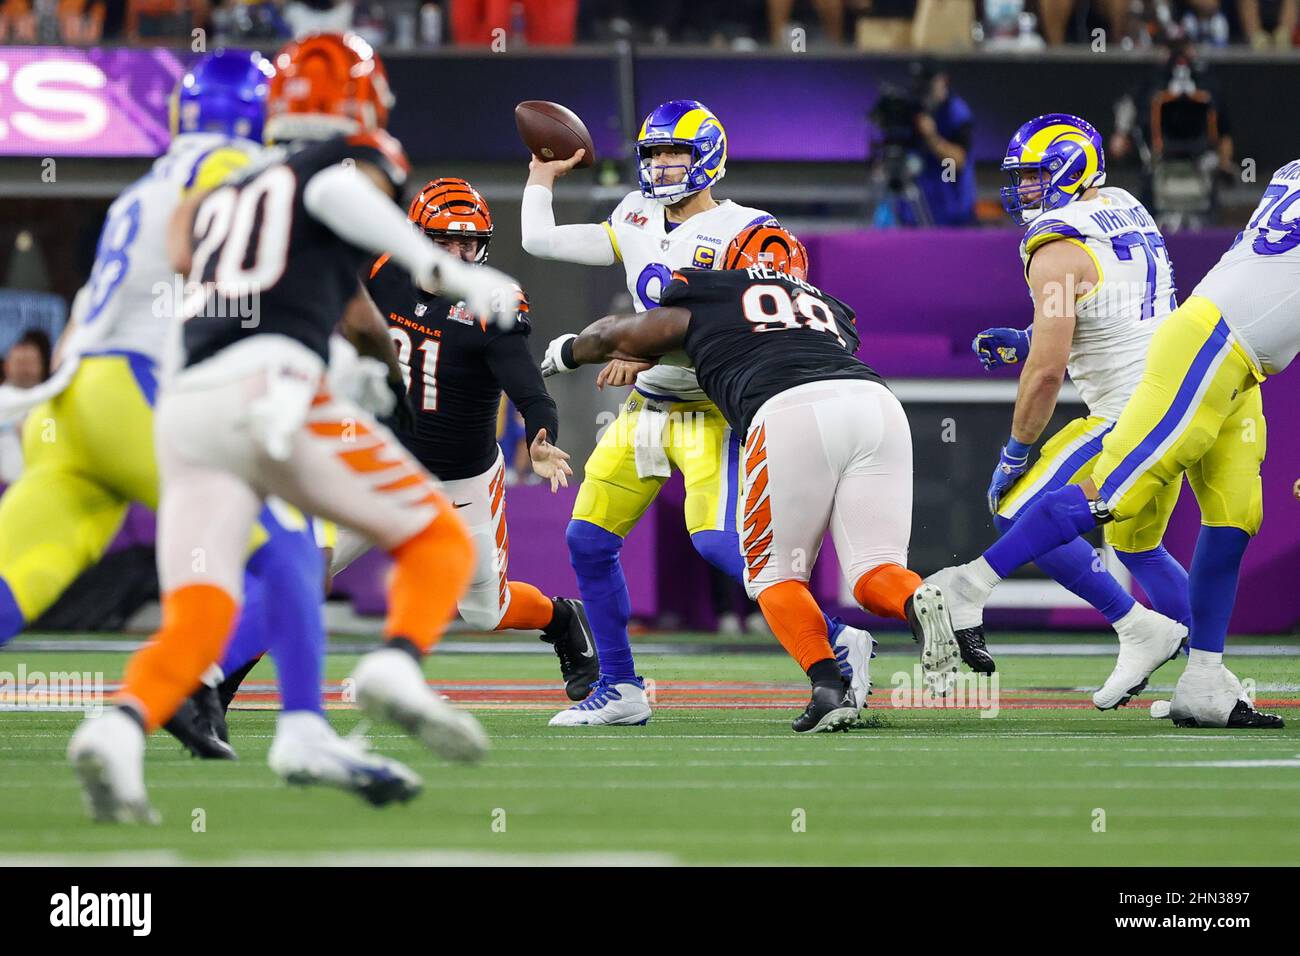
196 623
431 572
885 589
529 608
797 622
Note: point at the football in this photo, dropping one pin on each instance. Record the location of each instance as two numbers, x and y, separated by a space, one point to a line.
553 131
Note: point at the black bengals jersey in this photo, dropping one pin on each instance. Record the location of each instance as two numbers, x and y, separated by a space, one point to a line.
755 333
455 371
276 268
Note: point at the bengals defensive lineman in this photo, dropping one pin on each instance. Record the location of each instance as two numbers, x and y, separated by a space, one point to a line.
273 258
826 445
455 370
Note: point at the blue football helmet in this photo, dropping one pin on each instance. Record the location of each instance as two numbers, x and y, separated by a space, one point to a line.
686 123
224 92
1051 161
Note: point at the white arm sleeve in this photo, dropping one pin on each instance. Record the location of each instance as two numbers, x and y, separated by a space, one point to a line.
350 205
586 243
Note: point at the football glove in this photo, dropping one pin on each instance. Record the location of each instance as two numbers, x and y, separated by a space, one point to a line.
559 356
1011 465
997 347
489 293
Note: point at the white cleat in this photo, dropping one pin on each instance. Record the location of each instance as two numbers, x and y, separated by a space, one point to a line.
107 753
390 686
1211 696
1145 643
854 648
933 629
607 705
307 751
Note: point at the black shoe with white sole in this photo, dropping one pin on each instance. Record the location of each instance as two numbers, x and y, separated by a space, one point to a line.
570 634
974 652
191 726
1247 717
831 708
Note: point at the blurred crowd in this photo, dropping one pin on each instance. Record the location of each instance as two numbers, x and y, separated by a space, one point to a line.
738 24
25 365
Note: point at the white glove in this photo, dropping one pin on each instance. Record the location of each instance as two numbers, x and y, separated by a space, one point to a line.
276 417
489 293
554 362
359 378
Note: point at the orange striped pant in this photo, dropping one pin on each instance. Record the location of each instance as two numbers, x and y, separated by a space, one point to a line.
831 455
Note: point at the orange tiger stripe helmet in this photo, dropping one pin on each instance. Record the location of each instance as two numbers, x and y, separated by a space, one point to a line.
450 208
326 84
770 245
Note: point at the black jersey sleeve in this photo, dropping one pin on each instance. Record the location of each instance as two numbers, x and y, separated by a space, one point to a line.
520 378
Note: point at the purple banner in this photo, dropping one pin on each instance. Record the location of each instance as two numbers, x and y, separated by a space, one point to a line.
62 101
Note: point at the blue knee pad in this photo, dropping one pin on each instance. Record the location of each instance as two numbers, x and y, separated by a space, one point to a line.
722 550
11 617
1056 518
1072 565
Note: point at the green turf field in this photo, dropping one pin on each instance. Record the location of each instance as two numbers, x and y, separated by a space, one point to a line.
715 777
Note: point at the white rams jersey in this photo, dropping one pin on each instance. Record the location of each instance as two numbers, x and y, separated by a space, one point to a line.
650 252
1114 321
133 291
1256 284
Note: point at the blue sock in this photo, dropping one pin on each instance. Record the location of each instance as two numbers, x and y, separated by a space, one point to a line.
286 575
250 639
722 550
1213 585
1071 566
1056 518
594 552
1164 580
11 618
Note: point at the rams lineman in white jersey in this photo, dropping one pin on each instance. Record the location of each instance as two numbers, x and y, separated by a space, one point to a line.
89 430
671 222
1198 411
1102 283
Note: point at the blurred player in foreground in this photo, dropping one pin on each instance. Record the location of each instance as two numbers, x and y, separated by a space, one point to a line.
248 415
90 429
826 445
454 371
1102 284
670 222
1197 411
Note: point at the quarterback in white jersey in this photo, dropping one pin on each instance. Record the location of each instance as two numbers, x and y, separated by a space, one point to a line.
1197 411
1101 281
671 222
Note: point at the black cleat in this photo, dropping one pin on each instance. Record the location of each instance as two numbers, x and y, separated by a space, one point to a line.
970 643
229 687
1247 717
570 634
831 708
1243 717
974 652
191 728
208 701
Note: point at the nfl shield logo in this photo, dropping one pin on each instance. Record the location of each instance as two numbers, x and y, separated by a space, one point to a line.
420 309
663 244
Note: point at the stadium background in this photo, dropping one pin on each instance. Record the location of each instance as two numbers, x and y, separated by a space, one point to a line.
78 124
